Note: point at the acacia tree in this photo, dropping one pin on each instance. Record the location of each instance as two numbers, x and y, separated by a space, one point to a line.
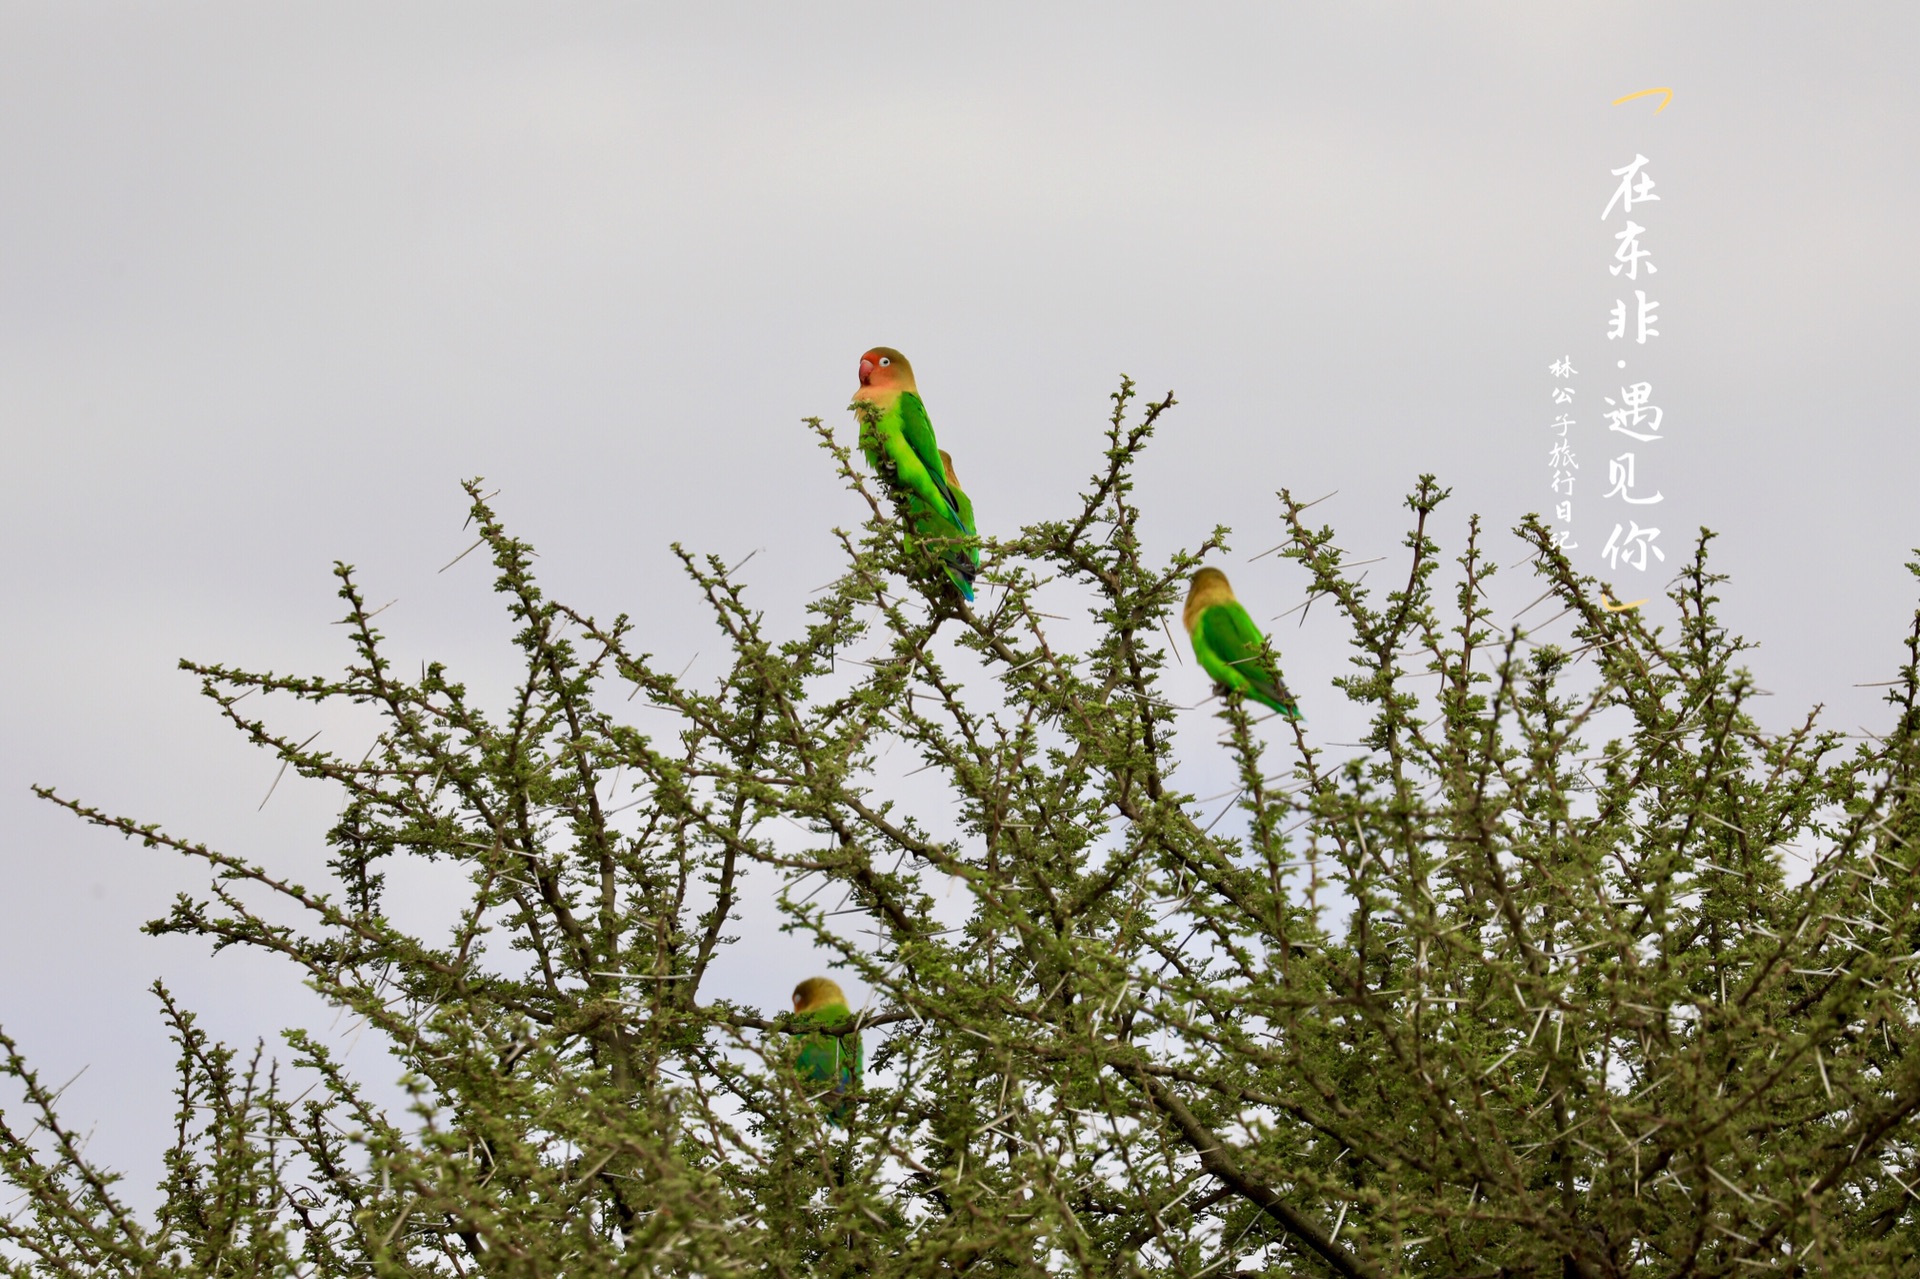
1525 984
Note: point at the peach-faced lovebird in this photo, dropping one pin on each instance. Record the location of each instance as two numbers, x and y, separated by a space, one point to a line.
1228 644
830 1064
900 446
933 526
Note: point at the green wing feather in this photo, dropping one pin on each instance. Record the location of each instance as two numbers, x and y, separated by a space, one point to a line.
964 506
916 428
832 1064
962 562
1235 643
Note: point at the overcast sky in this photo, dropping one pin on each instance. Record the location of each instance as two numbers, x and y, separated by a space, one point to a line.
273 279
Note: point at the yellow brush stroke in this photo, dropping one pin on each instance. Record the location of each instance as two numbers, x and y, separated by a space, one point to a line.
1643 93
1619 608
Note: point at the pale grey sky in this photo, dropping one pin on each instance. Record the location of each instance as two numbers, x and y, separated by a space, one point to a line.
274 279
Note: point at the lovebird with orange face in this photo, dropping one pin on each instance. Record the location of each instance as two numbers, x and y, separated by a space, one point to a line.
897 436
830 1066
1229 646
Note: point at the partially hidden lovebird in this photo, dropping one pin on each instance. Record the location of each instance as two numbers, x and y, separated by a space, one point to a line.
966 528
830 1065
897 436
1229 646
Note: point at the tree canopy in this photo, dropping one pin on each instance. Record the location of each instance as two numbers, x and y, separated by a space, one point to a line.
1569 968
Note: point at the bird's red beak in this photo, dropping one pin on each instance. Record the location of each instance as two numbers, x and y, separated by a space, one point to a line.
866 372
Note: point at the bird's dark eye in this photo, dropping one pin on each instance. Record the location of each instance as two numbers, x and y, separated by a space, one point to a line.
884 361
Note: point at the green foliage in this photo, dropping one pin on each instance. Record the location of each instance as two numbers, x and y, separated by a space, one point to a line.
1571 968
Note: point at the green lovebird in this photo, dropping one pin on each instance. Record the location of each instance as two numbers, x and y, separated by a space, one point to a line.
1228 644
936 527
900 446
832 1063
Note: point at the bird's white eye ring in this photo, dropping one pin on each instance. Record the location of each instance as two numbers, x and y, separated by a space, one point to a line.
884 361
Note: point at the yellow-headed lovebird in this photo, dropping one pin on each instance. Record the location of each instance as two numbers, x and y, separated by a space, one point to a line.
1229 645
830 1065
900 446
